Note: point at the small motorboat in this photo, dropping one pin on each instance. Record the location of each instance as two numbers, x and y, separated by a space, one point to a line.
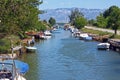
103 46
85 36
88 38
30 48
47 33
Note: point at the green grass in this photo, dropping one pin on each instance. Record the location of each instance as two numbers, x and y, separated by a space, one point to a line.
100 33
115 36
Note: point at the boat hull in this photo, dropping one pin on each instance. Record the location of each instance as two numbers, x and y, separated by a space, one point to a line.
103 46
30 49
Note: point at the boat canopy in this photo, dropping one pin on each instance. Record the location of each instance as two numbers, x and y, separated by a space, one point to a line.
22 67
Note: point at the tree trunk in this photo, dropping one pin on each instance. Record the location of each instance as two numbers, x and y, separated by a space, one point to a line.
115 31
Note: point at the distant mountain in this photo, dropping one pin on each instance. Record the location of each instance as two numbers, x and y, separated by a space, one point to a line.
61 14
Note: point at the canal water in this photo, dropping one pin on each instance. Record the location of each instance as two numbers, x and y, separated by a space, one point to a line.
64 57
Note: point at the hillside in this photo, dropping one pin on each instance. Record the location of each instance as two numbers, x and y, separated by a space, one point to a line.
61 14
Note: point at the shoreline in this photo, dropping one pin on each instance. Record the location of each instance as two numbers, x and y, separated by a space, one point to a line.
114 42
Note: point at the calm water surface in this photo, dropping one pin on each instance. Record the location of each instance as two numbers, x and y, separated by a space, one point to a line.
64 57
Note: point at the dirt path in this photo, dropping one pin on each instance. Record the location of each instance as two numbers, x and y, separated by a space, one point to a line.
100 29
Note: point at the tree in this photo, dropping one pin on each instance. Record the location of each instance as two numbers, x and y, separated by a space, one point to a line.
101 21
43 26
113 16
91 22
19 15
110 16
45 21
52 21
80 22
74 14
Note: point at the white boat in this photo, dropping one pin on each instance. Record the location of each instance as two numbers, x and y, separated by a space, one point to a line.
103 46
72 29
42 37
8 71
76 34
85 36
54 29
47 33
48 37
31 48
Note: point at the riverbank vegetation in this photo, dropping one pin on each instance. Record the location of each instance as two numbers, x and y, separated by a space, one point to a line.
17 17
77 19
109 19
100 33
52 21
7 41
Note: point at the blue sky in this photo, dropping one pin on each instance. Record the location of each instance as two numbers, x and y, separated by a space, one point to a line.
92 4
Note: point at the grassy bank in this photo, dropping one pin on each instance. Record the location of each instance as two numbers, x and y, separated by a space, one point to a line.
6 42
101 33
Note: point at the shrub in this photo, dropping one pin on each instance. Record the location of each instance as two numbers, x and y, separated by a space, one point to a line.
4 46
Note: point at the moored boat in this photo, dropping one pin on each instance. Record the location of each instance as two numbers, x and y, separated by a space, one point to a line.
10 71
85 36
30 48
47 33
103 46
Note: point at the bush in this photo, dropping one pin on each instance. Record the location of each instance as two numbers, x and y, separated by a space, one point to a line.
80 22
6 42
4 46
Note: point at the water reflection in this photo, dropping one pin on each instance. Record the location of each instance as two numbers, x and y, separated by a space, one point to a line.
31 59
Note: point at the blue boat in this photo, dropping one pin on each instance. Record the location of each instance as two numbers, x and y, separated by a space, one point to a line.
88 38
13 70
21 66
